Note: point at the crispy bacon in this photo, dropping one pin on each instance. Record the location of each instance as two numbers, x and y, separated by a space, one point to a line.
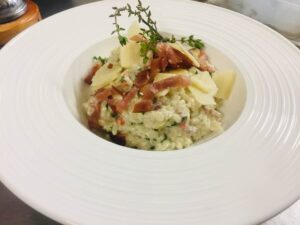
161 50
149 91
124 103
116 91
170 57
91 74
202 56
185 61
174 57
120 121
154 68
113 104
122 87
143 106
162 53
103 94
176 81
100 95
163 56
142 78
203 60
207 67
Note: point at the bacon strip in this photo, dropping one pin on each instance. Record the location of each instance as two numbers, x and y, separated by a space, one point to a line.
120 121
166 56
124 103
142 78
103 94
113 104
203 60
174 57
91 74
116 105
177 81
143 106
155 67
185 62
162 53
122 87
149 91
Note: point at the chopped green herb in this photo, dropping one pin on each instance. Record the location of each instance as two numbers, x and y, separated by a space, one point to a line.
122 79
192 42
184 119
165 138
173 124
103 60
118 29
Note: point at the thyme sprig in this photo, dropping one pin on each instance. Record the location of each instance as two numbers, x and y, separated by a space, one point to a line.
118 29
151 34
192 42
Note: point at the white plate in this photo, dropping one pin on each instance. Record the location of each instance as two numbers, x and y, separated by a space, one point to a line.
53 163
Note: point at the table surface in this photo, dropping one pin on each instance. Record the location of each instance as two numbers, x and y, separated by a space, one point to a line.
15 212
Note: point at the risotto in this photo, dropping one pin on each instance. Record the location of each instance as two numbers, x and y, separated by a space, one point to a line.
167 97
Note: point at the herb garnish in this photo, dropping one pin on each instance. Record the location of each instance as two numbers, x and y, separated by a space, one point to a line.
151 34
103 60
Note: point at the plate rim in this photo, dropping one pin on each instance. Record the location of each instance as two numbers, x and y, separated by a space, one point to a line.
25 199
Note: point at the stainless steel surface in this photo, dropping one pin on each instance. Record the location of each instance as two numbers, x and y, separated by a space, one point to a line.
11 9
15 212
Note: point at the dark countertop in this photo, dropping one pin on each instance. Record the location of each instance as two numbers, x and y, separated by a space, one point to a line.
51 7
15 212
